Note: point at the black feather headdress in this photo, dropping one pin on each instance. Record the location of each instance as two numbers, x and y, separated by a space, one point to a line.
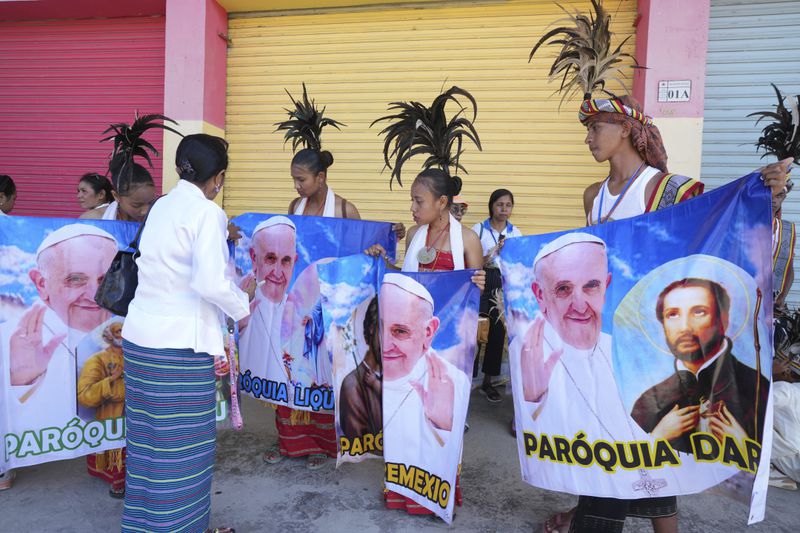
781 137
305 123
417 129
586 61
129 143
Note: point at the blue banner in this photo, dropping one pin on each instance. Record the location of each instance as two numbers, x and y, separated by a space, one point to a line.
59 348
641 350
283 357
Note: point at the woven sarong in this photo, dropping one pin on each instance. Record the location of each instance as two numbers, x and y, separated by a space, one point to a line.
303 433
171 439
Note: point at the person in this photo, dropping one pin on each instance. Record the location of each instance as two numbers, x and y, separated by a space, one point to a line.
101 387
711 390
783 241
39 349
459 207
360 407
785 455
305 433
438 242
170 338
8 194
422 392
132 185
618 132
132 202
94 191
492 233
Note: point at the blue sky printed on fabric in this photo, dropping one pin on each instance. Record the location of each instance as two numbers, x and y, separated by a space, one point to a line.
19 239
727 233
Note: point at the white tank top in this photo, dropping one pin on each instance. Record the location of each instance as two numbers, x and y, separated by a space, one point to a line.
110 212
632 204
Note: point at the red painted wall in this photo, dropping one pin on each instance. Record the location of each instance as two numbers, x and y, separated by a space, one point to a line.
62 82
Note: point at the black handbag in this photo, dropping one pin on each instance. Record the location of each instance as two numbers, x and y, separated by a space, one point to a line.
118 288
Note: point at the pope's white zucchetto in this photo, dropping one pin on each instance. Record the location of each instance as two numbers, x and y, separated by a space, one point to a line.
409 285
564 241
278 220
71 231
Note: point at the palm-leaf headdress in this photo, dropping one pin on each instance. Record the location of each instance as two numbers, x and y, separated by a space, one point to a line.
305 123
130 143
586 61
417 129
781 137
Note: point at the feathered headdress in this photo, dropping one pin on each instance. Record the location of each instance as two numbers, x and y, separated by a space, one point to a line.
305 123
781 138
129 143
417 129
586 61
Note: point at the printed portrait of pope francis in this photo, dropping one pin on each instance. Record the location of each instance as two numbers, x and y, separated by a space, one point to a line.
274 255
422 392
39 349
568 380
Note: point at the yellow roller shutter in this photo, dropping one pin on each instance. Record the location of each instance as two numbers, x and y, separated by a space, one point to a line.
357 61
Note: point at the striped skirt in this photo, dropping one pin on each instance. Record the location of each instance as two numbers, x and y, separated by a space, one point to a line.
171 439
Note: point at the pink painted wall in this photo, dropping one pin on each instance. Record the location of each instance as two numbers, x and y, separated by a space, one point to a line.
195 61
671 42
216 64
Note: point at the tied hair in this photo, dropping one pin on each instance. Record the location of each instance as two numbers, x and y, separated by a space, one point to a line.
186 170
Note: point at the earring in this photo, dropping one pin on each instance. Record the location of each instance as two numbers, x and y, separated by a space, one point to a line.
217 188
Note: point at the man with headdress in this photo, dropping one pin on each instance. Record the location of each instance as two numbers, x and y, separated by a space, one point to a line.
39 349
273 254
711 390
360 410
422 392
638 182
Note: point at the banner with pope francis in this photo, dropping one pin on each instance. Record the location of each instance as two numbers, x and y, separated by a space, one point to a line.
349 289
283 357
641 351
427 328
62 393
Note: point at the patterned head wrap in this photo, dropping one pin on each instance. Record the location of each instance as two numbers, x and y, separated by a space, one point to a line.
645 136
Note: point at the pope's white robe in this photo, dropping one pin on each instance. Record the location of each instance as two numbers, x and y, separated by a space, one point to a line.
583 397
410 438
260 349
51 400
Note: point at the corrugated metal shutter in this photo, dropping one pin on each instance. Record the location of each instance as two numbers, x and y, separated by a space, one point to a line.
357 61
62 82
749 47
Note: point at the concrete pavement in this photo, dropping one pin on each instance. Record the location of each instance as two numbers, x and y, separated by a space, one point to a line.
253 496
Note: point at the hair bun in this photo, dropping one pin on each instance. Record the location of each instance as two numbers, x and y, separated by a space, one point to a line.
326 158
456 186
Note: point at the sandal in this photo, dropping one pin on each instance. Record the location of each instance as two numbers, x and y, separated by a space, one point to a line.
491 393
316 461
117 494
7 480
559 522
221 530
273 455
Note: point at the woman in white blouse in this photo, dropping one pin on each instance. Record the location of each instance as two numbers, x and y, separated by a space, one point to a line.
492 233
171 335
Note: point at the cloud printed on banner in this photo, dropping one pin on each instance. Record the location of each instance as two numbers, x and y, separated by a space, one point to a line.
656 230
517 287
620 266
341 298
14 267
